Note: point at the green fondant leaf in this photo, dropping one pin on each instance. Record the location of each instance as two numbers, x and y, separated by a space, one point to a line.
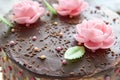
50 8
74 52
5 21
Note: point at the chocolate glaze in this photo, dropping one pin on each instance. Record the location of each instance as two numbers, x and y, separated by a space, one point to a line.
48 38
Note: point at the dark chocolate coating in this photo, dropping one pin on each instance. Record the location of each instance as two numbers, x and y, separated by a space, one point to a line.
48 39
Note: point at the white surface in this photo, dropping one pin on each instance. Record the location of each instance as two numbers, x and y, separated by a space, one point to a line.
0 74
111 4
5 6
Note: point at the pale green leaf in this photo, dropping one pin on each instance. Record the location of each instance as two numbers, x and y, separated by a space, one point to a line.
74 52
50 8
5 21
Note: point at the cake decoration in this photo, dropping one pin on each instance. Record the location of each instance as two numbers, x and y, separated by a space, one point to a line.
60 34
71 7
94 34
50 8
42 57
27 12
12 43
55 23
74 53
34 38
5 59
20 73
64 62
6 21
10 68
36 49
32 78
59 48
12 30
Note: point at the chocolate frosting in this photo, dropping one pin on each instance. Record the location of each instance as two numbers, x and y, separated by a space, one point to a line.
48 37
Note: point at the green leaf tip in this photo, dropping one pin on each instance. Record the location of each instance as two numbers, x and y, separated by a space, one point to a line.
5 21
50 8
74 53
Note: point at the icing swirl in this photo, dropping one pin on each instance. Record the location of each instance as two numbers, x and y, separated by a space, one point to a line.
94 34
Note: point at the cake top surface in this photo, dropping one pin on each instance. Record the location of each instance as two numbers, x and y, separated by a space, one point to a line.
50 37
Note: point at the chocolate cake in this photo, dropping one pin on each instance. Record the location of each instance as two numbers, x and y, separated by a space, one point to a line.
37 52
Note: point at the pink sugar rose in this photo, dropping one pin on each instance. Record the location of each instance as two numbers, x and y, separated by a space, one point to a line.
27 12
70 7
94 34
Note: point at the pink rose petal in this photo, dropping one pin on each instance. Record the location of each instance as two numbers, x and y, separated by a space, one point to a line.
108 42
92 45
27 12
71 7
94 34
22 20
